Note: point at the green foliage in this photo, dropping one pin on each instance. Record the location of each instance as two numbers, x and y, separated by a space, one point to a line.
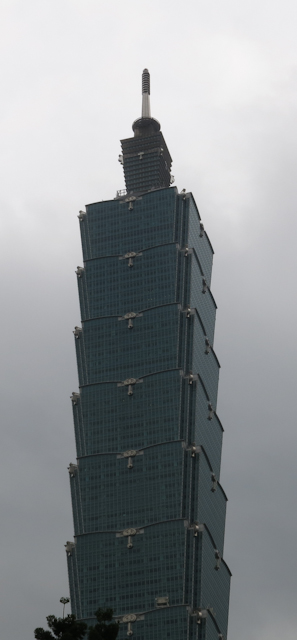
62 629
103 631
69 629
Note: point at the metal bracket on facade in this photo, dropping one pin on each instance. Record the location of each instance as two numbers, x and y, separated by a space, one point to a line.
192 377
129 533
205 287
186 250
75 397
129 382
130 201
211 411
189 312
214 482
130 316
140 154
201 234
207 346
121 193
72 469
129 256
129 619
130 454
77 332
69 547
200 614
81 216
197 528
79 272
194 450
218 559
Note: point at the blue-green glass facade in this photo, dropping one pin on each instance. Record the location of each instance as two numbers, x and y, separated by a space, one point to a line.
148 507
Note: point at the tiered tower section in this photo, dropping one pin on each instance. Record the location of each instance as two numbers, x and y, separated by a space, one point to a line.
148 507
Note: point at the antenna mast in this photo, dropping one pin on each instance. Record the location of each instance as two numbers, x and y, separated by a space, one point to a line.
146 107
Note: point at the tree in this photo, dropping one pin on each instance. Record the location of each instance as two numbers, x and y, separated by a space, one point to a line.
62 629
103 631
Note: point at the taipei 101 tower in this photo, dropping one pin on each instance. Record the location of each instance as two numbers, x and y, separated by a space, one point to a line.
148 506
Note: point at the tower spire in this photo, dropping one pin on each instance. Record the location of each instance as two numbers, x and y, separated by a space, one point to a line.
146 159
146 107
145 125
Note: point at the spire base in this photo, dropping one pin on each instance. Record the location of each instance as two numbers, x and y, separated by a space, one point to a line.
145 127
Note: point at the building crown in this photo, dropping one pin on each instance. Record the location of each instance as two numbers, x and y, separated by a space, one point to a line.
145 158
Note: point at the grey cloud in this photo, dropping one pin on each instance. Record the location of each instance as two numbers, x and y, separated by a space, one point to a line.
224 89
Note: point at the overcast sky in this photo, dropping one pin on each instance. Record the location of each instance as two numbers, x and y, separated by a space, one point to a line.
224 86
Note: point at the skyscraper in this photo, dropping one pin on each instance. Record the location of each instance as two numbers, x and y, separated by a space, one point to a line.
148 507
